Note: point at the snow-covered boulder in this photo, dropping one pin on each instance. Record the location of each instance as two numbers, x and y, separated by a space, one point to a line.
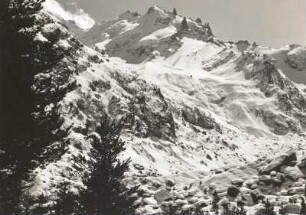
162 195
284 159
181 202
224 201
237 181
149 201
292 209
292 172
266 179
248 200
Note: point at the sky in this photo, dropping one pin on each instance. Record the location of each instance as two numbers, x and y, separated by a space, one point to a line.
268 22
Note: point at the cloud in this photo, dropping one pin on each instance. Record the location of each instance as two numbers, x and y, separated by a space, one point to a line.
80 17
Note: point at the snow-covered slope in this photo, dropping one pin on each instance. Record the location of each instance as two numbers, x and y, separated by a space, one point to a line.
290 59
192 105
243 88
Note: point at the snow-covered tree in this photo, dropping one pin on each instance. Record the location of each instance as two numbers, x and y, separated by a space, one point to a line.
105 192
26 127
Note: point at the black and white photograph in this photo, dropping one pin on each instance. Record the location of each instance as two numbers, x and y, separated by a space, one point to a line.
152 107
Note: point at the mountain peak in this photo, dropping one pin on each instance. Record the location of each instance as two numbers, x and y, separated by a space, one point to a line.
155 9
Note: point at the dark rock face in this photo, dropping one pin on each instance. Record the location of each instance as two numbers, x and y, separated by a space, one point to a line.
276 164
196 117
302 165
149 113
272 83
170 183
233 191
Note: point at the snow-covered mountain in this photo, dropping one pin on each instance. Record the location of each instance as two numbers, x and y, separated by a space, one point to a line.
160 49
196 109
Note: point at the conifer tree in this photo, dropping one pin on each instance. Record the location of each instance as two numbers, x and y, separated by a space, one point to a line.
240 208
305 188
269 209
282 210
105 193
25 127
303 207
16 99
215 200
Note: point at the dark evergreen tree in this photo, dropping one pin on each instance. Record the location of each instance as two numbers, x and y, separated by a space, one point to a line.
303 207
105 193
305 188
240 208
269 209
215 200
174 12
226 210
16 100
184 24
282 210
208 29
26 129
